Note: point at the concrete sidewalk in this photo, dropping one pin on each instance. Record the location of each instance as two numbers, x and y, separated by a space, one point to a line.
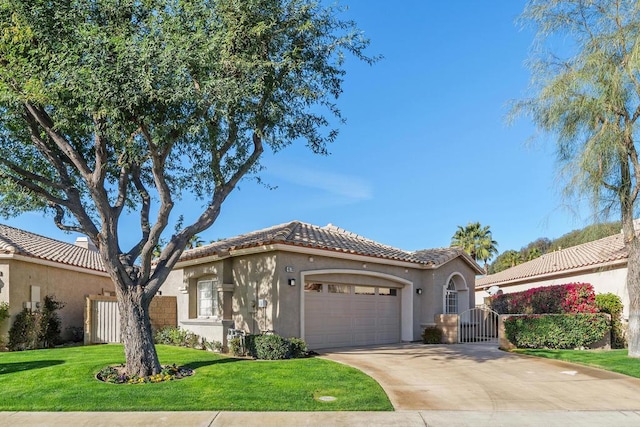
330 419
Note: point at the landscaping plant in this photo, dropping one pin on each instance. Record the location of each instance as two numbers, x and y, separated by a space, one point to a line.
559 331
567 298
432 335
33 329
611 304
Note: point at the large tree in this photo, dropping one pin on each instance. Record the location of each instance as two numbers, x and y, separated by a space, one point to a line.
477 241
586 93
111 108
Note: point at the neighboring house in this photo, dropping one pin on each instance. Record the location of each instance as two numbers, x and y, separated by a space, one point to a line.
324 284
602 263
33 266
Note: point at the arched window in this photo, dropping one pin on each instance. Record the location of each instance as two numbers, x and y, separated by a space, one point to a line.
451 298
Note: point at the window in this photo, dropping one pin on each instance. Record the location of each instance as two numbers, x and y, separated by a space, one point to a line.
387 292
364 290
207 299
451 298
313 287
338 289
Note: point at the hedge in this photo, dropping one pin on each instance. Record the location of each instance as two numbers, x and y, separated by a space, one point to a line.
557 299
561 331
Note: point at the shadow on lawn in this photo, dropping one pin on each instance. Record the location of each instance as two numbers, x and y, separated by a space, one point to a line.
9 368
200 364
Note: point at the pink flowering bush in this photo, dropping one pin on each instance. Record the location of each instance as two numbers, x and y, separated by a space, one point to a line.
557 299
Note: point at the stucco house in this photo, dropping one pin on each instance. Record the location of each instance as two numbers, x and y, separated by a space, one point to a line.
326 285
33 266
602 263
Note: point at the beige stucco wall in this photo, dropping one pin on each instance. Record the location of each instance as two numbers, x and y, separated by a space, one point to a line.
68 286
603 281
265 276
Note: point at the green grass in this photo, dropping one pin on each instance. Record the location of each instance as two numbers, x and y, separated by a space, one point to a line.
63 380
610 360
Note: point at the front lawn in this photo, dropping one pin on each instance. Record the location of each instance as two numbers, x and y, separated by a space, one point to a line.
611 360
63 380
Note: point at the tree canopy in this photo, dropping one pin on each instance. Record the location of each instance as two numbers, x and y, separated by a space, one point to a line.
112 108
475 240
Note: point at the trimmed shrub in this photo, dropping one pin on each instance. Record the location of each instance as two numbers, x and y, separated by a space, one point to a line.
272 347
561 331
268 347
250 345
432 335
4 311
170 335
235 346
611 304
557 299
23 334
297 348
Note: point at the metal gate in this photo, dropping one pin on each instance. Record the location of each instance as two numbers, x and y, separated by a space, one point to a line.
478 325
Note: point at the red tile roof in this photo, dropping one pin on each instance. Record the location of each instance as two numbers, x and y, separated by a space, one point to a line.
330 238
609 250
16 241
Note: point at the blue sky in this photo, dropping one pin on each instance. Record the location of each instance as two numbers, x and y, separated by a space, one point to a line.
426 146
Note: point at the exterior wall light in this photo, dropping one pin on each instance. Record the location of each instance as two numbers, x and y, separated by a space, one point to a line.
292 282
419 291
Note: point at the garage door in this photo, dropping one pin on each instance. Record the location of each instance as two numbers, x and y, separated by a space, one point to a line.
347 315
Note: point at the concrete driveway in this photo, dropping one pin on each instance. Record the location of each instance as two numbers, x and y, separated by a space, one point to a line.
478 377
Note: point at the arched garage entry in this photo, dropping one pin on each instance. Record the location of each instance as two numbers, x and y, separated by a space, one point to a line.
341 308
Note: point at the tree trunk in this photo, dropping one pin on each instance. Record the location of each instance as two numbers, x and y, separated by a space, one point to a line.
140 352
633 288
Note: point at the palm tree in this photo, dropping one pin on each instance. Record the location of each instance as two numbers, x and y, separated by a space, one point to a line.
194 242
512 258
477 241
533 254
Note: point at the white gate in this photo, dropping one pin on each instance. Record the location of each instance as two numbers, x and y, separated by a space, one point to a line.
478 325
105 322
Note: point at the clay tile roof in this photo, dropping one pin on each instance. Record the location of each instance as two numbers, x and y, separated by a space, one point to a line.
592 254
14 240
329 238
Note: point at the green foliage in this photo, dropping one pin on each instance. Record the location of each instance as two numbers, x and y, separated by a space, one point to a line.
118 375
432 335
36 329
475 240
111 106
4 311
236 346
272 347
49 327
611 304
215 346
613 360
23 334
171 335
557 331
297 348
587 97
268 347
52 379
543 245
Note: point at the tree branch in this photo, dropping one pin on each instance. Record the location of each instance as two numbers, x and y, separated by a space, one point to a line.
60 214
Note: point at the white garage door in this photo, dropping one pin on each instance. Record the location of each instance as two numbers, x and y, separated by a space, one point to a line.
347 315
